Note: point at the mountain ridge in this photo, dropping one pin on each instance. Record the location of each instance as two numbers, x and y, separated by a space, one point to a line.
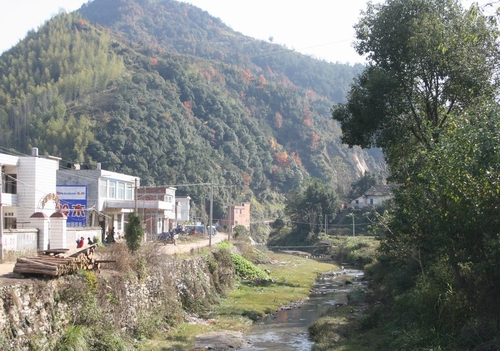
158 101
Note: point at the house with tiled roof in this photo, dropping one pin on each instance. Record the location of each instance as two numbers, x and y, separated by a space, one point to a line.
374 196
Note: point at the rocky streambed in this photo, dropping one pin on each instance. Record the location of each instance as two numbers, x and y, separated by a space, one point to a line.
286 328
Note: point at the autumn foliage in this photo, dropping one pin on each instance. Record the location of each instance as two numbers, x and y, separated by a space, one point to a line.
278 120
314 140
282 159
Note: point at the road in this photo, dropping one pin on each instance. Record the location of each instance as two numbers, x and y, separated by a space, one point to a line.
186 247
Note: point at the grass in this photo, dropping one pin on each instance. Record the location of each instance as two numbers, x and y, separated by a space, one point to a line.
293 278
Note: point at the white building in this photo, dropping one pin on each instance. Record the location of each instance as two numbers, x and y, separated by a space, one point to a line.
87 198
28 186
110 196
183 208
374 196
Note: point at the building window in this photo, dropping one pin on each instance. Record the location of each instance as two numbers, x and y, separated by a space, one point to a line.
9 223
129 192
371 201
10 183
103 189
112 190
121 191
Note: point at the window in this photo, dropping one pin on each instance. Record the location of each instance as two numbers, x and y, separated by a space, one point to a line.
10 181
371 201
103 189
129 192
9 223
112 190
121 191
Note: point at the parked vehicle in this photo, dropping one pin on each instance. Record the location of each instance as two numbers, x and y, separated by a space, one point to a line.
168 238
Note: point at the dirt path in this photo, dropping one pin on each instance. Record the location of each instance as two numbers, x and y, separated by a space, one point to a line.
187 247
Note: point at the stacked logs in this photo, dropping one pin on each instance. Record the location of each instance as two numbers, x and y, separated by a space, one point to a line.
55 263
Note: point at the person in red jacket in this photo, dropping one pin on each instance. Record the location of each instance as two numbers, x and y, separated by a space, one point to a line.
80 243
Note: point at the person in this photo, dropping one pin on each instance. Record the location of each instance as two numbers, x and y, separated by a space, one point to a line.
80 243
89 241
111 236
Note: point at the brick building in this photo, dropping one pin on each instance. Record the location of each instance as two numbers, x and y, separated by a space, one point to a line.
237 215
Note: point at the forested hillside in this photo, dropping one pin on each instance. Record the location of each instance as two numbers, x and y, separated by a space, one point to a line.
164 91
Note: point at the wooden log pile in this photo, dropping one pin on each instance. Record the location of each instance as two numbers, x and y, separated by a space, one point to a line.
57 262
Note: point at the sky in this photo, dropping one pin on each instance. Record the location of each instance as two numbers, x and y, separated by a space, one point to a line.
320 28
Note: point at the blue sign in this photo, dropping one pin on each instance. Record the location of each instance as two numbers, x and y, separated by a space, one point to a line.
73 199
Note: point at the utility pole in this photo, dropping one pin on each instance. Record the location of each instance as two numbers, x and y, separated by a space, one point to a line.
353 227
326 224
211 214
1 214
135 193
229 216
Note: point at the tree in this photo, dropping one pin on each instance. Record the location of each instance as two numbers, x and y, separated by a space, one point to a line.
360 186
428 59
308 206
445 225
134 232
240 230
427 98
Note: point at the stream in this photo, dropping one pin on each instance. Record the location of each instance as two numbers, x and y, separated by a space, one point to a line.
287 329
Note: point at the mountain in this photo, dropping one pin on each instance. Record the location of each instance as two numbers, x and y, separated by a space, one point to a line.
162 90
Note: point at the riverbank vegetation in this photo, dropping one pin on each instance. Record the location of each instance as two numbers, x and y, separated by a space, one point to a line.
429 100
290 281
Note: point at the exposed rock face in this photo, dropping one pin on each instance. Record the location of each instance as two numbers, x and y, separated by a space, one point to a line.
35 315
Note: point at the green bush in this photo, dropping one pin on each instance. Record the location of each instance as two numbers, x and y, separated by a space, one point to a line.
224 245
134 232
73 339
246 269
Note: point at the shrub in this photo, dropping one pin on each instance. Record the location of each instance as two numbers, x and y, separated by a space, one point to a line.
73 339
134 232
246 269
240 230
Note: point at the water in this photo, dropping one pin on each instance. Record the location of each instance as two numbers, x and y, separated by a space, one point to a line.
287 330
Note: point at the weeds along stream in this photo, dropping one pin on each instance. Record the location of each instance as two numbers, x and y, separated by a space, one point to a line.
288 329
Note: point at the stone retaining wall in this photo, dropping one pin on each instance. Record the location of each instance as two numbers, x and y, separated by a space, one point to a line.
35 315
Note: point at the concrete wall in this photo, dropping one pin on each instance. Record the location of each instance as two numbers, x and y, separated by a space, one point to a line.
27 239
75 233
20 239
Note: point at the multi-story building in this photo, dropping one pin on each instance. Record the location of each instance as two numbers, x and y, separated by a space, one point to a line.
237 215
28 186
161 210
88 198
157 208
103 198
183 208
